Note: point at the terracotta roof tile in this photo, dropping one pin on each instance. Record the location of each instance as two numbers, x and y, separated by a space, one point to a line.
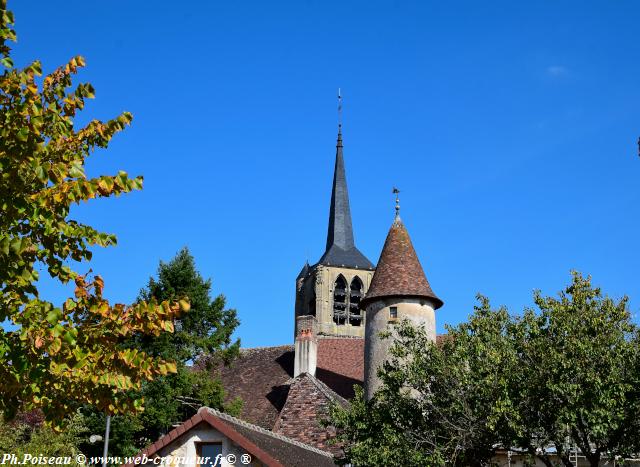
270 449
260 378
399 272
301 417
340 364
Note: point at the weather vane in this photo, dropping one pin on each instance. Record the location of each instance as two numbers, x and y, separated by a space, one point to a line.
339 108
397 193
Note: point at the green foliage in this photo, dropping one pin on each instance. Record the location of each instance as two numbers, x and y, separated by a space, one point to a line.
544 382
124 434
581 377
436 403
58 357
21 438
206 329
202 335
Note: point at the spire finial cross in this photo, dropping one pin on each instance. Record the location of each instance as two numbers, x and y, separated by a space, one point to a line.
396 192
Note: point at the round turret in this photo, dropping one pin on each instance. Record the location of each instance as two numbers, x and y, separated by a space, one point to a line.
399 290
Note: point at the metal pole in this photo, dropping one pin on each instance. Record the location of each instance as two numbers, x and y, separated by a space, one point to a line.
106 442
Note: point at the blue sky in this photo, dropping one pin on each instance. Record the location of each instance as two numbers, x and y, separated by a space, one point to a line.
510 128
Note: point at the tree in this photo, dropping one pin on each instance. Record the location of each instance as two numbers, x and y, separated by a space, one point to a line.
22 436
438 405
543 383
579 384
57 357
204 334
206 329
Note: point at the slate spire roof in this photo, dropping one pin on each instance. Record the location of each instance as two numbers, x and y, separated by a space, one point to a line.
341 249
399 272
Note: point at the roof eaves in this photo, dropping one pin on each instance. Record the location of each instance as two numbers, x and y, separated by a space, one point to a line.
264 431
216 419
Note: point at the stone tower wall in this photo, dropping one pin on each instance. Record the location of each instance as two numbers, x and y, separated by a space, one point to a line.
320 281
420 311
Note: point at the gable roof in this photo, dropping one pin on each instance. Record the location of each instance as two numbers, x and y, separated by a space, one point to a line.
340 363
307 406
274 450
261 377
399 272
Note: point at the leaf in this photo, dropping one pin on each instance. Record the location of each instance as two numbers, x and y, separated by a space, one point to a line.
23 134
55 346
54 316
69 338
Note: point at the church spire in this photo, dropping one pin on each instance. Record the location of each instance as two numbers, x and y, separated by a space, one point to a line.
340 231
341 249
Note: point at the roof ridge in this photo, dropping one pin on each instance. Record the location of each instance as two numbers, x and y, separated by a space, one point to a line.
259 429
328 336
327 391
322 387
249 349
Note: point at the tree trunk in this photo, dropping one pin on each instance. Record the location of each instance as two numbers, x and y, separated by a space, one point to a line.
545 459
594 459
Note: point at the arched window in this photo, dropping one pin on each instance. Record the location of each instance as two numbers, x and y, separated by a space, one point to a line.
340 300
355 294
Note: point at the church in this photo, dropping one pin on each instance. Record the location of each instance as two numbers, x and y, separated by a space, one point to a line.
342 303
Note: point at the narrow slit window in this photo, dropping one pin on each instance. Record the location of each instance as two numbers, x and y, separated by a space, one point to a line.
393 312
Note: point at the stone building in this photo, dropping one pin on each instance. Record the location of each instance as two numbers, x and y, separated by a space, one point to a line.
399 290
212 438
331 289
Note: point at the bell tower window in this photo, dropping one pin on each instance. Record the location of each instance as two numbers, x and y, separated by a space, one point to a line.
355 294
346 301
340 301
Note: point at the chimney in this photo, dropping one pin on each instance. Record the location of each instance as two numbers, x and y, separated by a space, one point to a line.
306 346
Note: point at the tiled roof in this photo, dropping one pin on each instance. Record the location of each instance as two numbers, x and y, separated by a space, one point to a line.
341 363
399 272
306 407
289 452
260 377
272 449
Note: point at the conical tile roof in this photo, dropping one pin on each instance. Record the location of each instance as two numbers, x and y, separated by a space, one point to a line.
399 273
